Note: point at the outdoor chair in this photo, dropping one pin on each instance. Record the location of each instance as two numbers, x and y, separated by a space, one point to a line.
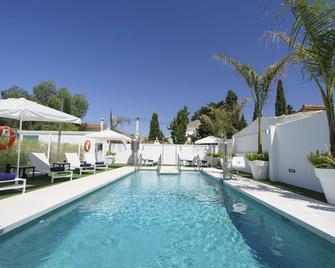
42 165
75 163
12 183
90 158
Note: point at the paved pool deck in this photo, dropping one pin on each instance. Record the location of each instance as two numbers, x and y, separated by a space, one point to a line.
311 214
20 209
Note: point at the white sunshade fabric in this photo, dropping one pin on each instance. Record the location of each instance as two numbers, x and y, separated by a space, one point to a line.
108 135
27 110
209 140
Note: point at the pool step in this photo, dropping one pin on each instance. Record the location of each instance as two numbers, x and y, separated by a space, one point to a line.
168 170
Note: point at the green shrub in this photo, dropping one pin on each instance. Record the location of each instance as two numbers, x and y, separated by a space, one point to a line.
219 155
321 160
257 156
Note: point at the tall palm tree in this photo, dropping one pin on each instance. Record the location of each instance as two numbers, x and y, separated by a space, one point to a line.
259 84
313 39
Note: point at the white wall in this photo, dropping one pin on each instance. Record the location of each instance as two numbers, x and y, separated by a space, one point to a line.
169 152
291 143
294 141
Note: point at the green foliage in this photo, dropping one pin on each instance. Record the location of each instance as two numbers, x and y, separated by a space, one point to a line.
155 131
79 105
178 126
46 93
257 156
206 128
258 83
222 120
242 123
10 156
219 155
312 40
280 105
14 92
230 105
321 160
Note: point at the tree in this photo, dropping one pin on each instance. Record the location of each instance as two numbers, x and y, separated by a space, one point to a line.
312 39
15 92
43 91
79 105
178 126
222 119
155 131
242 123
117 120
259 84
205 128
280 105
230 104
290 109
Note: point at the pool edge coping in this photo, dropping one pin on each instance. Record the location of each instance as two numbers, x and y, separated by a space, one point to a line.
315 230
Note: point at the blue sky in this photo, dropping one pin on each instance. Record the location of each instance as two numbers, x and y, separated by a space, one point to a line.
138 57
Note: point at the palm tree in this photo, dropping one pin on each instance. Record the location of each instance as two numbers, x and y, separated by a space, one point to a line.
222 120
259 84
313 40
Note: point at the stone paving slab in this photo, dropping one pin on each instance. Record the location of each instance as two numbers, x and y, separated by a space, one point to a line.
311 214
20 209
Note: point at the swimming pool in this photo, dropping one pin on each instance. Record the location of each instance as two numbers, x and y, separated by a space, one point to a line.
145 220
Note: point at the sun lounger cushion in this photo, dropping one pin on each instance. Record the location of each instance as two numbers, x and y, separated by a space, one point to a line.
85 165
7 176
57 169
100 163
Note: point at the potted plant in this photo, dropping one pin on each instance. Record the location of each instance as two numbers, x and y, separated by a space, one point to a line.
324 167
259 164
313 40
259 85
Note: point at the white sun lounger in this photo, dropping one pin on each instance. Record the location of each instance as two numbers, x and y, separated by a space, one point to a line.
74 161
90 158
14 185
42 165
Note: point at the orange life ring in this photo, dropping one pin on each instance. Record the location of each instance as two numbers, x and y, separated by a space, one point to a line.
87 146
7 132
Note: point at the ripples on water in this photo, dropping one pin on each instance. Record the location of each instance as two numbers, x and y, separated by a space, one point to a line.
168 221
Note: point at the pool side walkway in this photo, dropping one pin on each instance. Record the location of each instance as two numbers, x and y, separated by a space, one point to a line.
313 215
20 209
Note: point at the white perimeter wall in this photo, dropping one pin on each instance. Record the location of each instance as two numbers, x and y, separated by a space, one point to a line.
290 145
169 152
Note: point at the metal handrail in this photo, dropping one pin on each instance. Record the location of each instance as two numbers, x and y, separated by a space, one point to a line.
178 164
159 164
139 163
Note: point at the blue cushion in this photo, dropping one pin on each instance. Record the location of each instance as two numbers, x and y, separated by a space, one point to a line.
7 176
57 169
100 163
85 165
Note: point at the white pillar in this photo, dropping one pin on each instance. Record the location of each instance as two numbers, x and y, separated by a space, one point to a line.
272 152
19 149
49 147
101 123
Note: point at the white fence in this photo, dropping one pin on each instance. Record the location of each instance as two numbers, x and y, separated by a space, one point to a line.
169 152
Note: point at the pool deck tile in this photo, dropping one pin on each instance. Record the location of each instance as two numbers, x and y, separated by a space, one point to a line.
313 215
20 209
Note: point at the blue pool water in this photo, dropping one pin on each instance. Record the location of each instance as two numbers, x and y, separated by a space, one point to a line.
145 220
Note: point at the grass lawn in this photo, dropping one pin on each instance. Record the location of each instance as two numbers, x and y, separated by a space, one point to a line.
42 181
291 188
